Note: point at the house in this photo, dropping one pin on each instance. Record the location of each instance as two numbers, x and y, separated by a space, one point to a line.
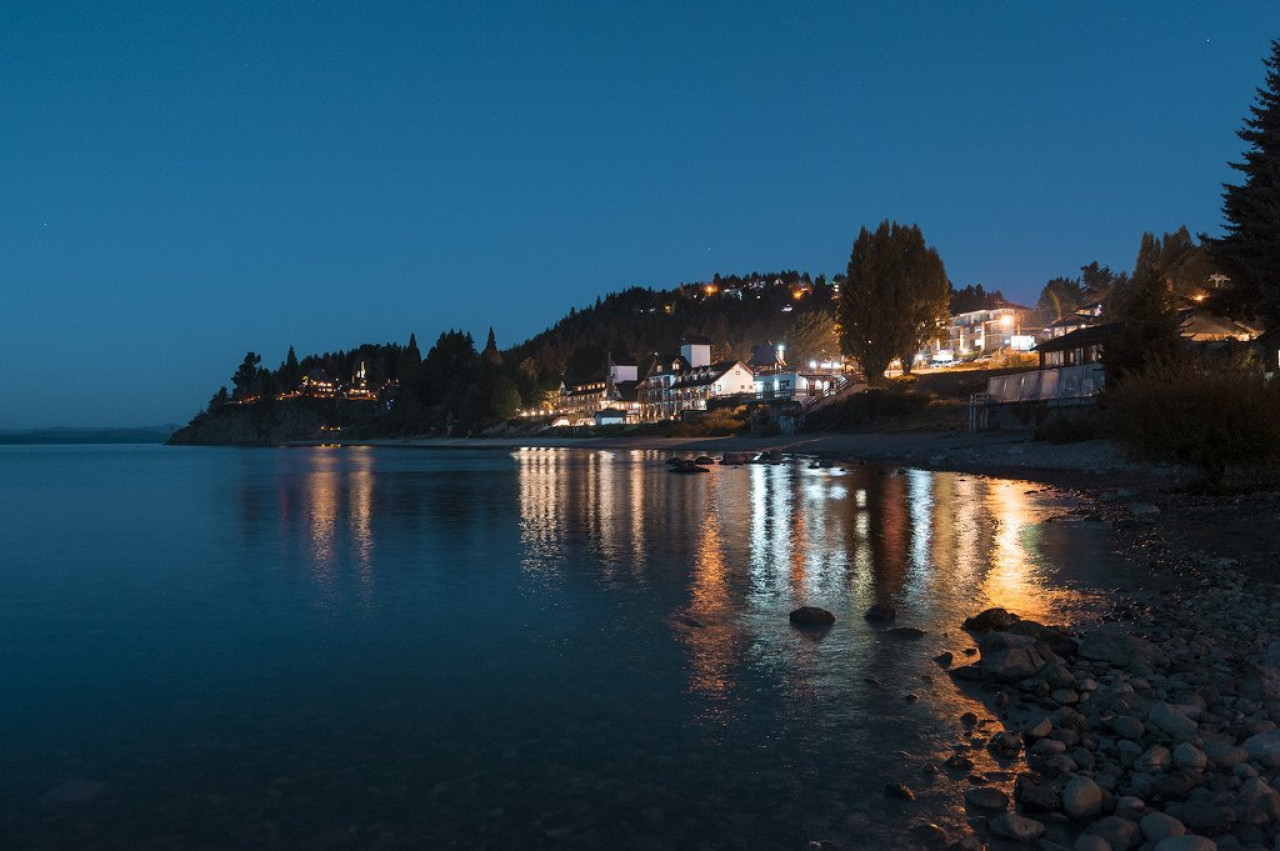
611 417
1082 346
688 381
580 402
794 384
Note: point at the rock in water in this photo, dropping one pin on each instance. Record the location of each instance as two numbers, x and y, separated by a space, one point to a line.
881 612
905 632
899 791
812 616
992 620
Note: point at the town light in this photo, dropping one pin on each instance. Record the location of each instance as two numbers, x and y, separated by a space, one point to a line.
1007 320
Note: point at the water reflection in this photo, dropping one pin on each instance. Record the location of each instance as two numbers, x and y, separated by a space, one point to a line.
762 539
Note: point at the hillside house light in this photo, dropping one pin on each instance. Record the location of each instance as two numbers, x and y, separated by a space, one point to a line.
1007 320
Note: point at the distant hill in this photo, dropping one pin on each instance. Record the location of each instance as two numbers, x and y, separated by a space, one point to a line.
638 325
384 390
138 434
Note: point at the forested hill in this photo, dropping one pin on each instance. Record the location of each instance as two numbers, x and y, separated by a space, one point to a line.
638 325
393 389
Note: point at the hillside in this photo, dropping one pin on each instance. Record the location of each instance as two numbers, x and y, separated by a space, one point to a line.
392 389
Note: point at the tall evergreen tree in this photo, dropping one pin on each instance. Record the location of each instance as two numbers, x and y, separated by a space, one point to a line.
490 353
894 299
1145 305
1249 251
292 373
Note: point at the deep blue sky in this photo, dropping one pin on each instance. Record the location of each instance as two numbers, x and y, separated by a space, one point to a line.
182 182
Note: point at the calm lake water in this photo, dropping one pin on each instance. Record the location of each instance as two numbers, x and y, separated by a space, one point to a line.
414 648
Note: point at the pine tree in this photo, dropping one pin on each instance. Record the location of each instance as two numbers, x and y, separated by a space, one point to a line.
1249 252
894 299
490 353
292 373
1145 305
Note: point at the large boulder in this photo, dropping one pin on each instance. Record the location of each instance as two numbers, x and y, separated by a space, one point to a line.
992 620
1008 658
812 616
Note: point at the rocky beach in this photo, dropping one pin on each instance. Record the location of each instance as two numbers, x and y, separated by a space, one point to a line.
1153 728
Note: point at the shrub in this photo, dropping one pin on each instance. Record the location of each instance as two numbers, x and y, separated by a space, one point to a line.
865 408
718 423
1200 410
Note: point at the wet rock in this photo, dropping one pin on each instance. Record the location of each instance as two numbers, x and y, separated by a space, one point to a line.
905 632
812 616
1010 665
881 612
898 791
959 762
75 791
991 620
1038 730
1016 827
1082 798
944 659
1118 648
1207 819
1188 755
1257 797
1127 727
1171 720
1006 743
1158 826
1225 755
929 835
1144 510
986 798
1264 748
967 672
1091 843
1154 760
1121 834
1186 843
1035 797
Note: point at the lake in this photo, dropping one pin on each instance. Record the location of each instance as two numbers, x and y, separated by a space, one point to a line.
333 647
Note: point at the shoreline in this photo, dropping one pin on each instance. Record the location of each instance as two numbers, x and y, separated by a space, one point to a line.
1088 465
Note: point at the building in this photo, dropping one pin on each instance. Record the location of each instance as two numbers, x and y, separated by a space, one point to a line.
579 403
982 332
687 382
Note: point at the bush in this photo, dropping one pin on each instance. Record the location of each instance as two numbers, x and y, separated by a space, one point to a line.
865 408
1208 412
718 423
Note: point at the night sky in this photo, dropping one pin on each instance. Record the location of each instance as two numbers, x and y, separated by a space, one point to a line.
182 182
